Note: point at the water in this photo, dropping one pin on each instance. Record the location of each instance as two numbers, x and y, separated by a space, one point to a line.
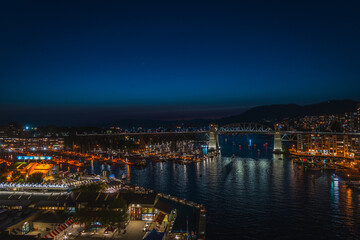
257 195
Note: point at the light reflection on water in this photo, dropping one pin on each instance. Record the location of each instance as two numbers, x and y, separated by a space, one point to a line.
253 197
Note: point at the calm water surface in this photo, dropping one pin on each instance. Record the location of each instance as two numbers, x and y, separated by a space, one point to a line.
257 195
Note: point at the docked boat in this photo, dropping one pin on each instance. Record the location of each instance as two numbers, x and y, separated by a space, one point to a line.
140 163
335 178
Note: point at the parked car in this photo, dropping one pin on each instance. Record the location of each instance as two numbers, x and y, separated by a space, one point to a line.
109 229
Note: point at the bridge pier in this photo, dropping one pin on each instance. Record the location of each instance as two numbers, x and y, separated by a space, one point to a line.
214 137
299 143
277 141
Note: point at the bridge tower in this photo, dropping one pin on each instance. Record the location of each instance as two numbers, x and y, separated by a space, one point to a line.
277 140
214 137
300 143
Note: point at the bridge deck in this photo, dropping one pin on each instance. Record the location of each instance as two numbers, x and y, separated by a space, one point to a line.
219 132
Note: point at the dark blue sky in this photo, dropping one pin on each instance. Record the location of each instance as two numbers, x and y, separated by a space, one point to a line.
109 60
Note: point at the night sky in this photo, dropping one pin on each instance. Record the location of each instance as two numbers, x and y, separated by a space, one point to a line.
87 62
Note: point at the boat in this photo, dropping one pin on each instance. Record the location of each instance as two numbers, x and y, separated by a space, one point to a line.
140 163
335 178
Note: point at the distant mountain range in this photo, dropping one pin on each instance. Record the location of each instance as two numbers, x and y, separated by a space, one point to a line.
267 113
272 113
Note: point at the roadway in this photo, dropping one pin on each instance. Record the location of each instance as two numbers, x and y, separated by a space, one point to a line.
220 132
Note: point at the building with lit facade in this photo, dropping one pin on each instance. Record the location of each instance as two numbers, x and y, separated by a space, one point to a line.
32 144
347 122
335 145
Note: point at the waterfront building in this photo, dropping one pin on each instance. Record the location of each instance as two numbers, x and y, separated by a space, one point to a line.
32 144
347 122
335 145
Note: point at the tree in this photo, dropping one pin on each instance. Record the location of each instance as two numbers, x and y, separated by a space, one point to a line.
3 178
83 215
115 214
16 176
35 178
93 187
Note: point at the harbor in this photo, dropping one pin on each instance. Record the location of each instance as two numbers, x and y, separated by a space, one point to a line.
159 212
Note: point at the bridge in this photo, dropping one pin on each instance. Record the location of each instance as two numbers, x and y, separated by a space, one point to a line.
253 128
279 136
234 128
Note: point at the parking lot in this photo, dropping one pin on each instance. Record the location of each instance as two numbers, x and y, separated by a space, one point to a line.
133 231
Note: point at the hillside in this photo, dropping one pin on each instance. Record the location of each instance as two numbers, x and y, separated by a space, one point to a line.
271 113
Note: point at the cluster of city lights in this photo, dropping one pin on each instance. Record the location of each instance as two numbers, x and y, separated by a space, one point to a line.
32 185
34 157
